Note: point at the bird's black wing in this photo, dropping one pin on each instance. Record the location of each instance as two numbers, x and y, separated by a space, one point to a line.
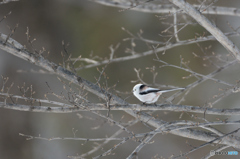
149 91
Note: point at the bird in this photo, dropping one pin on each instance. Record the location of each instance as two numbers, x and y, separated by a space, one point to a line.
149 95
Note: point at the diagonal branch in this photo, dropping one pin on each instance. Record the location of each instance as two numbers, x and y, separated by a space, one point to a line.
205 144
209 26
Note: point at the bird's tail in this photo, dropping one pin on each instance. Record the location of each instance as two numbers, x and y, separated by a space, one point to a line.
169 90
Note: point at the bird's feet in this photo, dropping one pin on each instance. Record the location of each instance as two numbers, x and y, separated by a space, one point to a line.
144 103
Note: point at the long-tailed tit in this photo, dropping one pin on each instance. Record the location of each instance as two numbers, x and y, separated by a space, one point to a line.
147 94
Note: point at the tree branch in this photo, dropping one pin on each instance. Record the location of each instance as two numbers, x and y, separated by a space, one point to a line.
150 52
129 107
168 8
202 20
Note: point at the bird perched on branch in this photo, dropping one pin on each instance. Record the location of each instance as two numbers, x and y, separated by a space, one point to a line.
149 95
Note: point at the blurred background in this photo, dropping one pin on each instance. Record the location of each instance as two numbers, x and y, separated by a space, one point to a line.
90 29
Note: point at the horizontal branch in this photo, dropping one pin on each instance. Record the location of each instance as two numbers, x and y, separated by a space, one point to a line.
34 100
30 137
190 124
7 1
135 107
168 8
166 128
151 52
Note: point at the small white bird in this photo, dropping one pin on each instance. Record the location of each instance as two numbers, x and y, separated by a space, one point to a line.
149 95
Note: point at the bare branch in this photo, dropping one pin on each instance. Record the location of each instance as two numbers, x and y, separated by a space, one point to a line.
129 107
105 142
157 50
215 31
30 137
7 1
168 8
212 141
175 25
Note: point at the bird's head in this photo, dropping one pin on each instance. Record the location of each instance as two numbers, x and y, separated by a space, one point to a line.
138 88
